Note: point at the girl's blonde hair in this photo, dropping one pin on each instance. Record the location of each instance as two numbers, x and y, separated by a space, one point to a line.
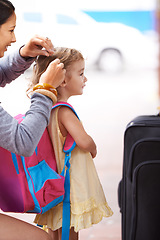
67 56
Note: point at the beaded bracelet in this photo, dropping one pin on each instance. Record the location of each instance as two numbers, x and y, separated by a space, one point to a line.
45 86
47 93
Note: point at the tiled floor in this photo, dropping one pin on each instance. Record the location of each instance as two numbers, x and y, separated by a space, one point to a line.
102 231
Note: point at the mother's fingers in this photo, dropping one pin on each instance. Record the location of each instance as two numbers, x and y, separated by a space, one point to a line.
44 44
37 45
49 43
54 74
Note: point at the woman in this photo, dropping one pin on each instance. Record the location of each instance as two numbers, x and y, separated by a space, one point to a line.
23 138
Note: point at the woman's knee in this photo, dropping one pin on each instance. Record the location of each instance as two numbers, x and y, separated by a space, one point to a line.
46 237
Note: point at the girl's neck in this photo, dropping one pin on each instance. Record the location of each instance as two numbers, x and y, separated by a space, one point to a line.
63 95
62 99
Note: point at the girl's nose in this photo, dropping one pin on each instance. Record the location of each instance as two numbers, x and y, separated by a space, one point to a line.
85 79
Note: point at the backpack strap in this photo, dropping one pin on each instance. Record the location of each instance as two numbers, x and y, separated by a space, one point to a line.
68 146
69 143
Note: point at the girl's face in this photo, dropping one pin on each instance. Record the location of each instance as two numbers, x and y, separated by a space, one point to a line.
7 35
75 78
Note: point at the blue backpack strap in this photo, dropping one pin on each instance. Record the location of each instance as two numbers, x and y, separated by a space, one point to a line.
69 145
65 104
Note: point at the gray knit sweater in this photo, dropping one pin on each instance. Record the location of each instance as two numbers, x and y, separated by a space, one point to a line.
22 138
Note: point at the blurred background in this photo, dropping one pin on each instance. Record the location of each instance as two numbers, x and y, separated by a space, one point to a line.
112 36
120 42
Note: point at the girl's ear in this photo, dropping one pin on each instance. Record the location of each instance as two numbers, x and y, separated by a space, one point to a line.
63 84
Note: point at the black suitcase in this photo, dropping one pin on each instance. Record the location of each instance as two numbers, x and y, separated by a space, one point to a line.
139 189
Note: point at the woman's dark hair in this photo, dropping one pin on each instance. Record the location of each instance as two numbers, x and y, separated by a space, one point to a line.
6 10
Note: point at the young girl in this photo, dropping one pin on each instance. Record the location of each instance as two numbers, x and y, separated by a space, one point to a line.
88 202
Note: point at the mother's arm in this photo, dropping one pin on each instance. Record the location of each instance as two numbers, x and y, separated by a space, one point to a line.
12 66
22 138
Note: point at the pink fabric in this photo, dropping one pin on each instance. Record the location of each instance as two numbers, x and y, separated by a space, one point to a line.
15 195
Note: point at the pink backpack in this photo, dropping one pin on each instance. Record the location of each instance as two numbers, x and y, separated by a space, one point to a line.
32 184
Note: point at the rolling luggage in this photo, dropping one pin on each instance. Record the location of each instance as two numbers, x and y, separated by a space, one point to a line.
139 189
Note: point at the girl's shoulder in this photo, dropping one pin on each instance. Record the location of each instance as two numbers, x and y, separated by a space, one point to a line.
66 117
66 110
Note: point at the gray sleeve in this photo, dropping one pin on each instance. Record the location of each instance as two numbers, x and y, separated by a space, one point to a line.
12 66
23 138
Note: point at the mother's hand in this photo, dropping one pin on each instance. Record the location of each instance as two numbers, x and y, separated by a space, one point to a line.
54 74
37 46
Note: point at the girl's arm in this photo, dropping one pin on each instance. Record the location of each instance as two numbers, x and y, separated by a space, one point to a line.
69 123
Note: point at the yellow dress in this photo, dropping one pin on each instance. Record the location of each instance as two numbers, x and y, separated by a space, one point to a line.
88 202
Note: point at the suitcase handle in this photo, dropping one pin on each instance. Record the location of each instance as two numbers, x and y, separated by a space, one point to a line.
120 195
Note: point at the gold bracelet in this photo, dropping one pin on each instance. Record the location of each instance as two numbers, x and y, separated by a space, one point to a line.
45 86
48 94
